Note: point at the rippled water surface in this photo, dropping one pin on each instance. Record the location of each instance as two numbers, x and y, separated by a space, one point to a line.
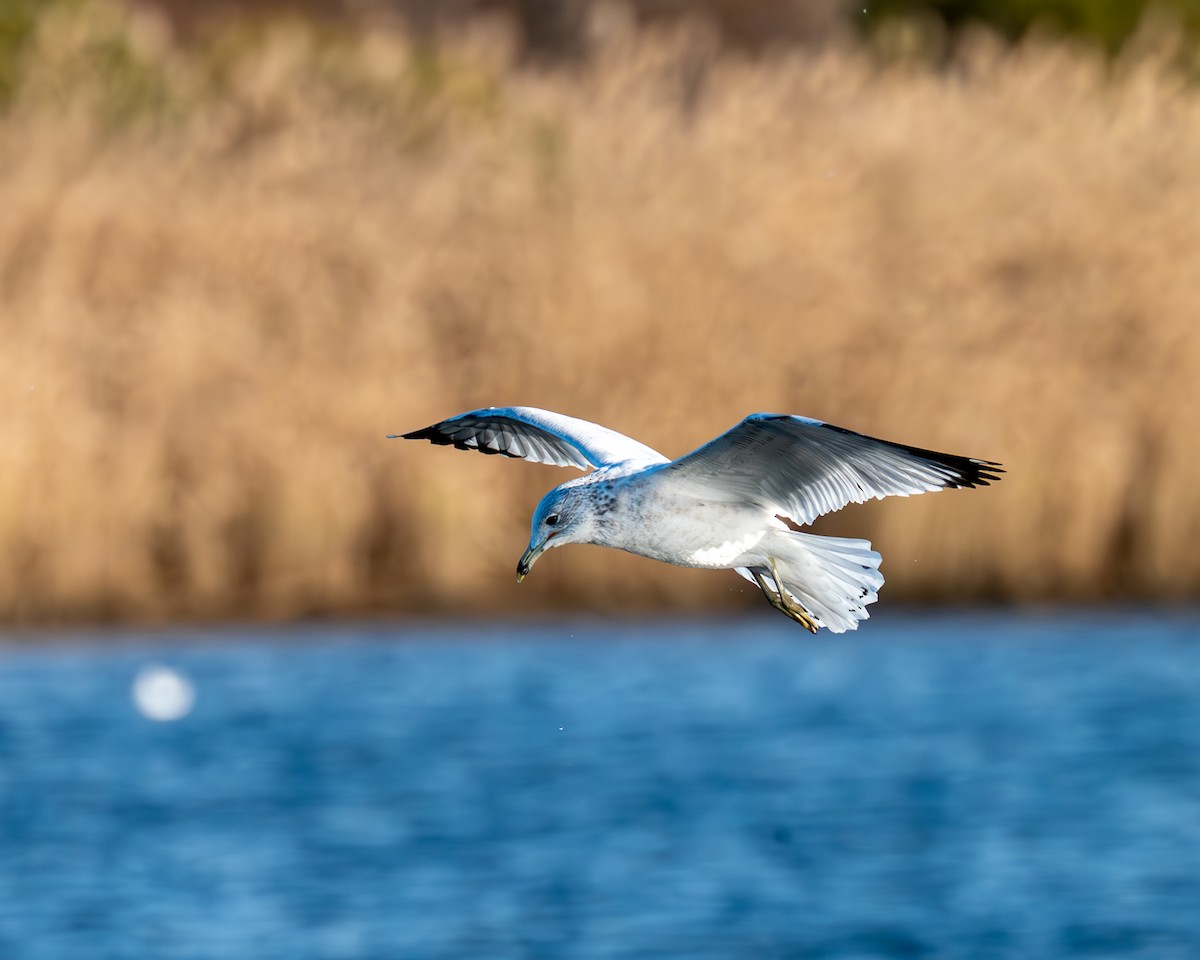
942 787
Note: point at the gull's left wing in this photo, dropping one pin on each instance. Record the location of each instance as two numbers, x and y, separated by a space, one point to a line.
802 468
537 435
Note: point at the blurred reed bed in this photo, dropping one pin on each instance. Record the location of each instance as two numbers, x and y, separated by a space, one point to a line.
227 270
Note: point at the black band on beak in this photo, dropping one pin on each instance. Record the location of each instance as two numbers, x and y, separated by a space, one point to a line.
525 564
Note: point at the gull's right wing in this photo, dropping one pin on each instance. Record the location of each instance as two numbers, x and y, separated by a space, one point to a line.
536 435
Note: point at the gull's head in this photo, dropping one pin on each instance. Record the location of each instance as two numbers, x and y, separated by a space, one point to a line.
563 516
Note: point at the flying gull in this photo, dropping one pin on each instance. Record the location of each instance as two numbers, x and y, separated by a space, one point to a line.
741 501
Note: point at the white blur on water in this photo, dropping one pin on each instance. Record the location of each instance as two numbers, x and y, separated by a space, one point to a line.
161 693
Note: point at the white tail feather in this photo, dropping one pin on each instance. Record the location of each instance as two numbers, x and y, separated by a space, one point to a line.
833 578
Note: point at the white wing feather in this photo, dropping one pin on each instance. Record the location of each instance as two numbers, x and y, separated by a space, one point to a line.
802 468
539 436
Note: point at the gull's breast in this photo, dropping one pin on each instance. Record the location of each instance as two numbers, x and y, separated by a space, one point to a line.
687 532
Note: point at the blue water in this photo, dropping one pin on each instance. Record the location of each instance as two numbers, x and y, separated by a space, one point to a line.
932 787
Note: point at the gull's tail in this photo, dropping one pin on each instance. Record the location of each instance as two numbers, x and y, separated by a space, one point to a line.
833 578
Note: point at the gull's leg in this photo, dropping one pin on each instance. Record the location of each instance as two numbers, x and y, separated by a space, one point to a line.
781 601
787 604
773 598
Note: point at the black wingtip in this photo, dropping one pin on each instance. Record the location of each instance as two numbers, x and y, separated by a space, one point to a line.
432 434
971 472
435 435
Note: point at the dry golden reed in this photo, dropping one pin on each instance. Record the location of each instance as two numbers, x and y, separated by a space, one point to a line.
227 273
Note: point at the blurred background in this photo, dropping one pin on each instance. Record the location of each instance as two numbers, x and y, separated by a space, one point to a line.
241 244
268 687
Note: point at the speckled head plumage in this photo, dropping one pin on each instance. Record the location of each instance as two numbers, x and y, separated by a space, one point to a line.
567 514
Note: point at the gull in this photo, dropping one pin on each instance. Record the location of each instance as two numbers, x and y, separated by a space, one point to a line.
738 502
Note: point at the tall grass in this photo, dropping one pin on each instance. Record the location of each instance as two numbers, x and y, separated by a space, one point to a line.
226 273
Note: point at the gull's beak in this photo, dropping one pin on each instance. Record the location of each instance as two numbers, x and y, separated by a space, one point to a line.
525 564
529 557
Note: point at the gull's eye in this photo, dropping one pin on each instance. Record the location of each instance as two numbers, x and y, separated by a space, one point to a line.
552 520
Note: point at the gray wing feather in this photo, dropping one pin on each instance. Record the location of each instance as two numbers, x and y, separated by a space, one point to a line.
536 435
803 468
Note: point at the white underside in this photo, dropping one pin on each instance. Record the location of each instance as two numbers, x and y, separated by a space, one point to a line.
833 579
